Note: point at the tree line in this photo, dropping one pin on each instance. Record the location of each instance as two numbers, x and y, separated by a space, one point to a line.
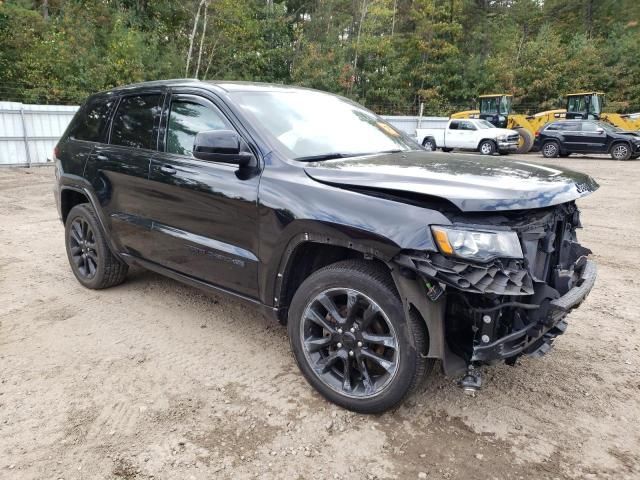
390 55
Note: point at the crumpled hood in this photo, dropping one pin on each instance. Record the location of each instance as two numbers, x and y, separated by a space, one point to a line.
471 182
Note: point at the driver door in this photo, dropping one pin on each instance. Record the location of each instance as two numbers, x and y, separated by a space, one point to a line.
205 214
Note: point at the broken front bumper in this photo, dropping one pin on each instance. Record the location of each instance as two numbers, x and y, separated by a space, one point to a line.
535 339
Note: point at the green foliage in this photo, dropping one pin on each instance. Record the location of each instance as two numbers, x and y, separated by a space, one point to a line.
390 55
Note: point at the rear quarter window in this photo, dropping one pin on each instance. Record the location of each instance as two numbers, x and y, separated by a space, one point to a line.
90 121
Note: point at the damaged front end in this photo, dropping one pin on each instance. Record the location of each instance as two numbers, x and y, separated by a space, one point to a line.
501 308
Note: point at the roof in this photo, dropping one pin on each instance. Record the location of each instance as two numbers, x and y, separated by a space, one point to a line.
221 84
585 93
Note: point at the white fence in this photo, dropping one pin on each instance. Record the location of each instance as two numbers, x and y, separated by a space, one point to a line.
408 124
28 133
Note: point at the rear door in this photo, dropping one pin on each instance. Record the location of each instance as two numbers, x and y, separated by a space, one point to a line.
594 138
572 136
119 170
205 214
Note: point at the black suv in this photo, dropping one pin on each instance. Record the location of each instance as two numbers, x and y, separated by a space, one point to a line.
379 256
564 137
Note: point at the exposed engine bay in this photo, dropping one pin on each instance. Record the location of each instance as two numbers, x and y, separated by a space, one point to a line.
505 308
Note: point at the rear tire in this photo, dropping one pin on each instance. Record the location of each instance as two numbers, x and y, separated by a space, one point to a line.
366 356
526 140
91 260
429 144
550 149
620 151
487 147
446 149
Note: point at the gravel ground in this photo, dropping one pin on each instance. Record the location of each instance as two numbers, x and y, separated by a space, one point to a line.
153 379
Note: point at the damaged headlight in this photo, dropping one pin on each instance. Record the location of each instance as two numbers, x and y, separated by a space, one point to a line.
479 245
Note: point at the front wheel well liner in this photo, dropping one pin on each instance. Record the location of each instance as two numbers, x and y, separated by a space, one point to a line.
306 258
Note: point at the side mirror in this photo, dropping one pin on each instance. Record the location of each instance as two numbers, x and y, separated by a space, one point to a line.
599 130
222 146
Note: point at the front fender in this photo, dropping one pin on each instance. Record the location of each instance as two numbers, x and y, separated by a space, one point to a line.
294 209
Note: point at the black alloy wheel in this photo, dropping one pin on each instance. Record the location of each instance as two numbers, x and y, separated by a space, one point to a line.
349 342
91 260
353 340
82 247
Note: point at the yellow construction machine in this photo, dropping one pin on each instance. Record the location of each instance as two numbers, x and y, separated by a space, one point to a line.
589 105
496 109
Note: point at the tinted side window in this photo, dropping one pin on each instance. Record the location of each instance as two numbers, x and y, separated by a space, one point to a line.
590 127
90 121
186 120
573 127
454 125
134 120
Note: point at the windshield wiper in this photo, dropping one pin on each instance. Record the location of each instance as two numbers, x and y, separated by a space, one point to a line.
334 155
327 156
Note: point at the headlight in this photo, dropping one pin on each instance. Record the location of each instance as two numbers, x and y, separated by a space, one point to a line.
479 245
501 138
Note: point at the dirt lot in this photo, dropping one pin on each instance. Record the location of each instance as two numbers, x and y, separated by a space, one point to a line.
154 379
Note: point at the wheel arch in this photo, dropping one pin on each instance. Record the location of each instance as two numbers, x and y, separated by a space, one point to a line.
492 140
619 141
429 137
69 198
308 253
74 188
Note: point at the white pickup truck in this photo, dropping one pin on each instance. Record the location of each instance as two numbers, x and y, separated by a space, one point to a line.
469 134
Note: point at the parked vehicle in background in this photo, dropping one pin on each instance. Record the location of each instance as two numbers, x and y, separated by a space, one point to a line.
469 134
378 256
564 137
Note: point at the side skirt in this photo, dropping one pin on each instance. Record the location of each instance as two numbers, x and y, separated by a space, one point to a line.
267 311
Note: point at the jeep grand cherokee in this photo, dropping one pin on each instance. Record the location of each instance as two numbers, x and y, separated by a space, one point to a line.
380 257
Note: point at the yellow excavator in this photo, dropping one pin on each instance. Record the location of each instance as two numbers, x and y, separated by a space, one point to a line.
496 109
589 105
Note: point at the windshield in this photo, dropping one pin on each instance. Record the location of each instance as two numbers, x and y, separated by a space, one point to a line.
609 128
493 105
311 125
484 124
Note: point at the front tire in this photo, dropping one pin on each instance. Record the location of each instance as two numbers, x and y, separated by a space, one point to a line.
487 147
620 151
550 149
91 260
351 339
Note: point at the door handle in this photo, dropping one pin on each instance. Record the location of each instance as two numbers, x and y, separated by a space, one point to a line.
168 170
